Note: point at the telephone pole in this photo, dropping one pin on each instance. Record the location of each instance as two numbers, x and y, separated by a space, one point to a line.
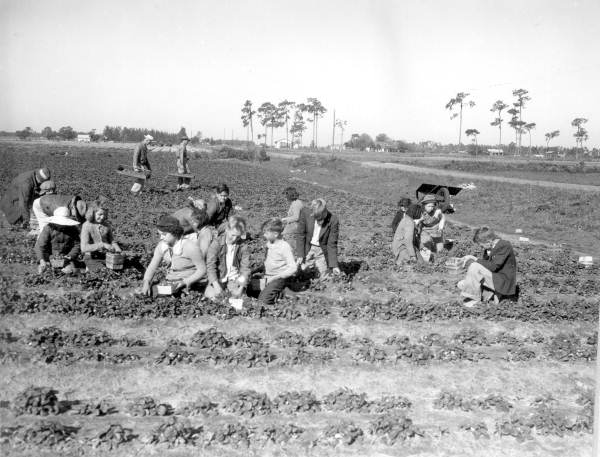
333 133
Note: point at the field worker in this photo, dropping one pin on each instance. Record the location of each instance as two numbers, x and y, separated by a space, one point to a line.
20 194
97 234
494 275
432 224
228 261
140 163
182 163
318 239
405 243
40 219
290 231
186 265
203 233
280 264
184 215
403 205
59 239
219 207
76 206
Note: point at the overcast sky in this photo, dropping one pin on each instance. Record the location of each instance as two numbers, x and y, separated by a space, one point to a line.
384 66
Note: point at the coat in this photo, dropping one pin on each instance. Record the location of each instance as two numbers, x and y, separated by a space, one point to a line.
403 244
502 263
140 157
20 194
50 202
57 240
328 236
216 264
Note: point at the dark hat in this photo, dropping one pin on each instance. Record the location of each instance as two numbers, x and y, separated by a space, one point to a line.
169 224
429 198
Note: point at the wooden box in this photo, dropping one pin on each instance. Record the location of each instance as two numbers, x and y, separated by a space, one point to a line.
58 263
162 290
114 260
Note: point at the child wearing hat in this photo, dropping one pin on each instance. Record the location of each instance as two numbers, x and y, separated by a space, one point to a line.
181 254
60 240
431 224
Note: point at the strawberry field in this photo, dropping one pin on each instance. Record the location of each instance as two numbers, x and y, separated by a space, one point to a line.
382 360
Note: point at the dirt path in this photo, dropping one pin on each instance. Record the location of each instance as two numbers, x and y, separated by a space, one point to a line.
472 176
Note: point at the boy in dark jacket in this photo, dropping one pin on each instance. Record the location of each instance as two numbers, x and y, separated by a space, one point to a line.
59 239
494 275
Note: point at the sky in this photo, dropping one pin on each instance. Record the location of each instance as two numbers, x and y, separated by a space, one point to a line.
383 66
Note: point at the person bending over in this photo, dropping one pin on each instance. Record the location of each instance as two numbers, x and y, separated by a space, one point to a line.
228 261
280 263
20 194
405 244
403 205
186 264
492 276
219 207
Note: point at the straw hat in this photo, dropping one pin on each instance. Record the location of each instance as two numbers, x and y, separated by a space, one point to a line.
148 137
61 217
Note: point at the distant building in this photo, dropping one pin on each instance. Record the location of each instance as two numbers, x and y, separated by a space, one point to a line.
281 144
495 152
83 138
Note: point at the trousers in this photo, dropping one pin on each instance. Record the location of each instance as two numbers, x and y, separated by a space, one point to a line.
478 283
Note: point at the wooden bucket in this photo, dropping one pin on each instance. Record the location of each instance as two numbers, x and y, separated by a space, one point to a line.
114 260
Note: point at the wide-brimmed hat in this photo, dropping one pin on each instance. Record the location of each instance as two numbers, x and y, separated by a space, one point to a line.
148 137
61 217
43 174
429 198
47 186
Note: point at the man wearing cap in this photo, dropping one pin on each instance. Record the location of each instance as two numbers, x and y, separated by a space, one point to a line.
59 239
76 206
182 163
318 238
140 163
19 196
39 219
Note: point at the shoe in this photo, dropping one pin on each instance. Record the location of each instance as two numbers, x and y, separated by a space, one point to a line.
470 303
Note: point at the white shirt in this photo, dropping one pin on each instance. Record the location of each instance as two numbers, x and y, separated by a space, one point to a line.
316 232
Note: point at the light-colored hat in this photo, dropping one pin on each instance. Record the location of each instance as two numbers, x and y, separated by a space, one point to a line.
61 217
47 186
43 174
148 137
429 198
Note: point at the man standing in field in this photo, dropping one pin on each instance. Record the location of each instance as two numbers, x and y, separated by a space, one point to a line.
141 164
20 194
182 163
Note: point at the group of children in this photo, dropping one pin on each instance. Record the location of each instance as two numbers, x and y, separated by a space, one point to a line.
205 247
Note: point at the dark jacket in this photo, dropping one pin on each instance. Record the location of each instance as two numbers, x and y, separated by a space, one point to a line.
328 236
216 264
49 203
140 156
397 218
16 202
218 212
57 240
502 263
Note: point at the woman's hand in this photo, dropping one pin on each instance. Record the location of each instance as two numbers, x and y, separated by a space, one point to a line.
107 247
180 285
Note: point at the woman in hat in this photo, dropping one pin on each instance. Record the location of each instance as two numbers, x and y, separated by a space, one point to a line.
97 234
405 245
59 239
182 163
181 254
20 194
431 224
40 219
492 276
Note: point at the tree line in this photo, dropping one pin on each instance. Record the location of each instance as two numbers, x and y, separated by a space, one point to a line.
461 101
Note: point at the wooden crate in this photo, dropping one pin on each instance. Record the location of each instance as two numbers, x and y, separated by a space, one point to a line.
114 260
162 290
132 174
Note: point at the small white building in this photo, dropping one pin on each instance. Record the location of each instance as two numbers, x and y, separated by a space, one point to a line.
83 138
281 144
496 152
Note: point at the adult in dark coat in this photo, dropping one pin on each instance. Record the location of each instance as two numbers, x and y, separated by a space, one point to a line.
494 275
141 163
320 249
20 194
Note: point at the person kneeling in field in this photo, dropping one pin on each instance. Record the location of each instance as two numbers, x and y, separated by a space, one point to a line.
96 234
228 261
186 264
405 245
185 214
280 263
494 275
403 205
76 206
318 231
59 239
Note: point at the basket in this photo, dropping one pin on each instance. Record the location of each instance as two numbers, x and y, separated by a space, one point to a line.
114 260
586 261
454 265
58 263
162 290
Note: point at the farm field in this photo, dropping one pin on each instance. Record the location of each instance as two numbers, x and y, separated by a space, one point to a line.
382 361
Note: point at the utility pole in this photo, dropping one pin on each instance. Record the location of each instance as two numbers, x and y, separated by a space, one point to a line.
333 134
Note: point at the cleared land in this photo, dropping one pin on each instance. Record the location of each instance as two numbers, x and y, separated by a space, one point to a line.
382 361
